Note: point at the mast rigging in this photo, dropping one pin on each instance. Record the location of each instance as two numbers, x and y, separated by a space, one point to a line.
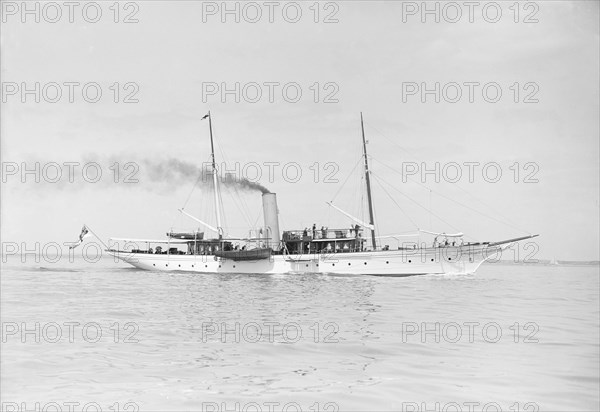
215 179
368 180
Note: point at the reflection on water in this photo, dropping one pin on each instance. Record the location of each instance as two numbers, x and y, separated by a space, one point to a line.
510 335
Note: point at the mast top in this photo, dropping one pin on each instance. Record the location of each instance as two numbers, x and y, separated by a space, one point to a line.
212 144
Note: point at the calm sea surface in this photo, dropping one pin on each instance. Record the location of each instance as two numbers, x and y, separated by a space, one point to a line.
509 337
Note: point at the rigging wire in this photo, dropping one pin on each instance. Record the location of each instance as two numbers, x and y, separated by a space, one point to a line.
507 222
512 224
452 200
417 203
234 193
223 218
346 180
200 177
189 196
256 220
357 195
242 206
396 203
238 202
375 219
391 141
430 209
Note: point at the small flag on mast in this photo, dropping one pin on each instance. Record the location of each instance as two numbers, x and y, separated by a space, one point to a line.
84 233
205 116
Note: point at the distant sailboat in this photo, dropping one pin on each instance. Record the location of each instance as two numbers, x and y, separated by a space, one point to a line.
336 251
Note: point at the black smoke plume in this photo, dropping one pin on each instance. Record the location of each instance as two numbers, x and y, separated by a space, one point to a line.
175 171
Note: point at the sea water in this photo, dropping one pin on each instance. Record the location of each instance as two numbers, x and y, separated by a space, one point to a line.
103 336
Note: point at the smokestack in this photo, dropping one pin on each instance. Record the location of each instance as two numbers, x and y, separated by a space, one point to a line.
270 214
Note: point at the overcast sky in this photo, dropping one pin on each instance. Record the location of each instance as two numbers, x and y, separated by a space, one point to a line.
547 123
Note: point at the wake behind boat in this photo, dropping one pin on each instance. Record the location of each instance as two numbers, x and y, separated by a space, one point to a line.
335 251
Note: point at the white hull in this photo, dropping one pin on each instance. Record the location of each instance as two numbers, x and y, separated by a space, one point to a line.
445 260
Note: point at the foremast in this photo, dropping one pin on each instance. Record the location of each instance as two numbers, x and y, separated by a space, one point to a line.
215 178
368 180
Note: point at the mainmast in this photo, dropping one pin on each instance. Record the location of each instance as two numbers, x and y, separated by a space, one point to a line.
368 179
215 179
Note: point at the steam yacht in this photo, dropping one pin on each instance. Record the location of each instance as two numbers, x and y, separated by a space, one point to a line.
353 251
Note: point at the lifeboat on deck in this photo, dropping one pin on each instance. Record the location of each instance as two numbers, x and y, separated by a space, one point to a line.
238 255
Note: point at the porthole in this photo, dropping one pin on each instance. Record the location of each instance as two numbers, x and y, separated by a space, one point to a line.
449 258
333 264
387 262
167 265
179 265
234 266
205 266
409 261
365 263
154 264
348 263
432 260
192 265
